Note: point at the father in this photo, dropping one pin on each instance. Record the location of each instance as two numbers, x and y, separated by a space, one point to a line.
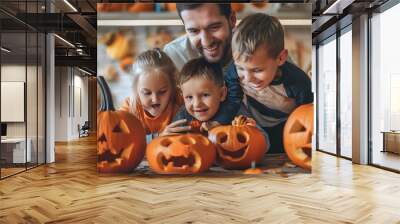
208 33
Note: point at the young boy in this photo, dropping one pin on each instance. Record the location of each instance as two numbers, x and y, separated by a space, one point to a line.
272 87
203 89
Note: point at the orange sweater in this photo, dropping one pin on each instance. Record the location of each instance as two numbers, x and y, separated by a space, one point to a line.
153 124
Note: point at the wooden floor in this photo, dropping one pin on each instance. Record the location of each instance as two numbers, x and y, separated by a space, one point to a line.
70 191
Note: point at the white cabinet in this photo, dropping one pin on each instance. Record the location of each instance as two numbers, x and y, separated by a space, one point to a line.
15 148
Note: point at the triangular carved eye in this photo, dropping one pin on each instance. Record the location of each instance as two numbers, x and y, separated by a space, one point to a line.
102 138
297 127
121 127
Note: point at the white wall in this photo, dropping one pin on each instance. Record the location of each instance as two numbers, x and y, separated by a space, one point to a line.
71 93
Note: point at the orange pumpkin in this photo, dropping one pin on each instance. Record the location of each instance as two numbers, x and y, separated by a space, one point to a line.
111 74
119 45
126 63
121 140
141 7
297 135
253 171
260 5
170 7
110 7
237 7
180 154
239 144
159 39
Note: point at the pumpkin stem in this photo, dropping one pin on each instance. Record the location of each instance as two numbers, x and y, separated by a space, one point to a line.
106 94
102 107
243 120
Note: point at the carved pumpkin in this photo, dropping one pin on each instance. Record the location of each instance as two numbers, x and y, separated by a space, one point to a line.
121 140
297 135
239 144
180 154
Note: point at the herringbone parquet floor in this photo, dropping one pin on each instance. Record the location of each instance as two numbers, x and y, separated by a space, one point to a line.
70 191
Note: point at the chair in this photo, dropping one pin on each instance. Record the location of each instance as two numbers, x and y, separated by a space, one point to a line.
84 130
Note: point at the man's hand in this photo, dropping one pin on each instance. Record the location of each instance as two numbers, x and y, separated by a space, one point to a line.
175 127
208 125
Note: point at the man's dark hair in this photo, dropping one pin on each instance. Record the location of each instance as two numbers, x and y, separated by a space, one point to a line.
224 8
200 67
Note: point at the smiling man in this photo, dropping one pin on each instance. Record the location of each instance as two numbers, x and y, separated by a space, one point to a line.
208 29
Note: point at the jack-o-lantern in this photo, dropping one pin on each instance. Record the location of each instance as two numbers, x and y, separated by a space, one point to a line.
239 144
180 154
121 140
297 135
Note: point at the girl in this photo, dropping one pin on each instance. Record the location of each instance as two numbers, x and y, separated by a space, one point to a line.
156 98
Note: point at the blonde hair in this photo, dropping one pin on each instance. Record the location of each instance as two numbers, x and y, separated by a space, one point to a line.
255 30
154 60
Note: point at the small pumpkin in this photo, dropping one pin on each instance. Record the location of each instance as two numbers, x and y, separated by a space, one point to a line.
237 7
297 135
180 154
121 140
110 7
260 5
239 144
119 45
170 7
111 74
159 39
140 7
126 63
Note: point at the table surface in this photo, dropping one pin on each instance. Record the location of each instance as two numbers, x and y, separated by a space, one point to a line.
391 132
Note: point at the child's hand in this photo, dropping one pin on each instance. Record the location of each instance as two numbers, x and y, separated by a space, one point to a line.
175 127
208 125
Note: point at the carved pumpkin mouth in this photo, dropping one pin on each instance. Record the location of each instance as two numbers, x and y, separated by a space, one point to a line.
236 155
108 156
304 152
114 159
183 162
